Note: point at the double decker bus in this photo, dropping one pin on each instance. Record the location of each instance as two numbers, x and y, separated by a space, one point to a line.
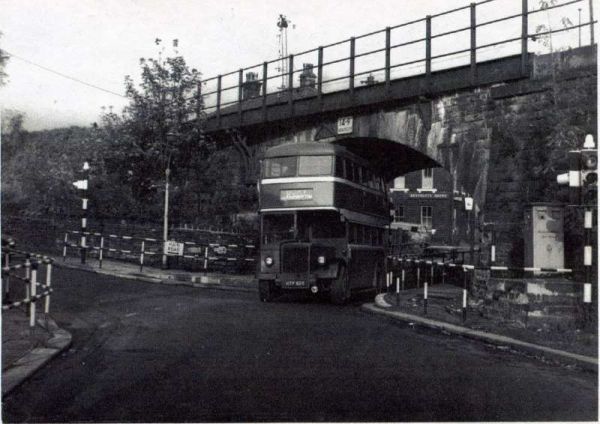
323 214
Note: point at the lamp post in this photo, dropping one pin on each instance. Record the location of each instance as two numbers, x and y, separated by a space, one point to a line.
166 217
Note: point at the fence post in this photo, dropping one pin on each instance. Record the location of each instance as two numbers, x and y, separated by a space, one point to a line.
65 247
425 298
101 254
265 80
320 76
587 262
6 279
397 290
240 94
473 45
142 255
352 54
591 22
464 300
33 284
48 284
205 258
84 214
524 36
403 277
291 84
428 54
219 78
418 274
27 276
388 38
443 272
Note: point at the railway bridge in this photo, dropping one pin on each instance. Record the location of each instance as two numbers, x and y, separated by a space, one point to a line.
491 120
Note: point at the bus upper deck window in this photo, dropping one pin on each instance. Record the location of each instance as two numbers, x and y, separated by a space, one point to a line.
315 165
280 167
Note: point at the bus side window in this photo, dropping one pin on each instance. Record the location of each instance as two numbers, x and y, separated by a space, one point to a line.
367 232
339 167
349 170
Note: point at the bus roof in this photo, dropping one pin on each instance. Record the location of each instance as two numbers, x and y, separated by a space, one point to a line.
389 158
304 149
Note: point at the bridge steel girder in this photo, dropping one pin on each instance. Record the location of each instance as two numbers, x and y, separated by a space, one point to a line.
309 106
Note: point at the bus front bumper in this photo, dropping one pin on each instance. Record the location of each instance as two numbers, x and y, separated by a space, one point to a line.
294 281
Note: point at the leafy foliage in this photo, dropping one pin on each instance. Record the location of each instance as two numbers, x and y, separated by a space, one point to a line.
128 153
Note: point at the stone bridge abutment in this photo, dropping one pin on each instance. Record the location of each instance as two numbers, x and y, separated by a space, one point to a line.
498 141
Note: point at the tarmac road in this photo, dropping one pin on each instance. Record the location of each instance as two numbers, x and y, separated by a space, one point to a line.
154 353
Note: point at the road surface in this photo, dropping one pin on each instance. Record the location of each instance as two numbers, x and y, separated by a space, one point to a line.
147 352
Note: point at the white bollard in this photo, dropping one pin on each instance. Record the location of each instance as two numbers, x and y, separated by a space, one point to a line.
48 283
33 293
101 254
65 247
142 256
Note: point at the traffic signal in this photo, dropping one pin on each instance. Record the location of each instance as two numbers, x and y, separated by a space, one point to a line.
589 176
582 177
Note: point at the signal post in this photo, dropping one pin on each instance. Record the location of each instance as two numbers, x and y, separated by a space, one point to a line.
582 178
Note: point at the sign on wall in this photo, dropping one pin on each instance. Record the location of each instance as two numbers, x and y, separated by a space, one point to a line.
345 125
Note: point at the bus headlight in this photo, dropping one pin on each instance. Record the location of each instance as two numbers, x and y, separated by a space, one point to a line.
268 261
321 260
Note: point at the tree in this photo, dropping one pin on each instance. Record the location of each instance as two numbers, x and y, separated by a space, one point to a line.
155 132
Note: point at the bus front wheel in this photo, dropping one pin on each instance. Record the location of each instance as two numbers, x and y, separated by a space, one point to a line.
266 290
340 287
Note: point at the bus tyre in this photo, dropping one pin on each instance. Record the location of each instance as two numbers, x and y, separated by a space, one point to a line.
340 287
265 290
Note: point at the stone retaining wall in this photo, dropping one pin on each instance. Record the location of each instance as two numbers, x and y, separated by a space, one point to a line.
551 303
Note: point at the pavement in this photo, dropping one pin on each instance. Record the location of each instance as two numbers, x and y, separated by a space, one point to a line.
444 312
26 350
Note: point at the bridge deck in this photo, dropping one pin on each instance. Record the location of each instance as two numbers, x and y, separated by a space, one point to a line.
307 105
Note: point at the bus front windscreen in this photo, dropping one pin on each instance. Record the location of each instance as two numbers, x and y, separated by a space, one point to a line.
298 166
320 225
278 227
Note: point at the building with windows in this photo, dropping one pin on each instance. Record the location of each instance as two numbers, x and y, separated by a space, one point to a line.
428 208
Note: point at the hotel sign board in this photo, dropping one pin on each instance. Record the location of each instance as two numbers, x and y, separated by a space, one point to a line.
428 195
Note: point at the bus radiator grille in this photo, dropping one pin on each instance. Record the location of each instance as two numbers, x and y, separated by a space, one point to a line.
294 259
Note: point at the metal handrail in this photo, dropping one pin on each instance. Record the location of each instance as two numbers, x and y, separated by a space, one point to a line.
351 58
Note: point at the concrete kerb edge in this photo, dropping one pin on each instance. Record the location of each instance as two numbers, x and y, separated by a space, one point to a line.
586 362
156 280
37 358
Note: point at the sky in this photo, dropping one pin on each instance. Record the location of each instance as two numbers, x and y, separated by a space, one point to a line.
100 42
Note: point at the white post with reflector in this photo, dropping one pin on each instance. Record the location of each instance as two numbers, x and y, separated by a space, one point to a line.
83 185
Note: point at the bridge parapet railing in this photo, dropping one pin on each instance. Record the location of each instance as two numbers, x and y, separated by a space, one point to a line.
222 256
464 36
27 277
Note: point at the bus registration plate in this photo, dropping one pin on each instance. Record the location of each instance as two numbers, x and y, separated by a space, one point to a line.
295 284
